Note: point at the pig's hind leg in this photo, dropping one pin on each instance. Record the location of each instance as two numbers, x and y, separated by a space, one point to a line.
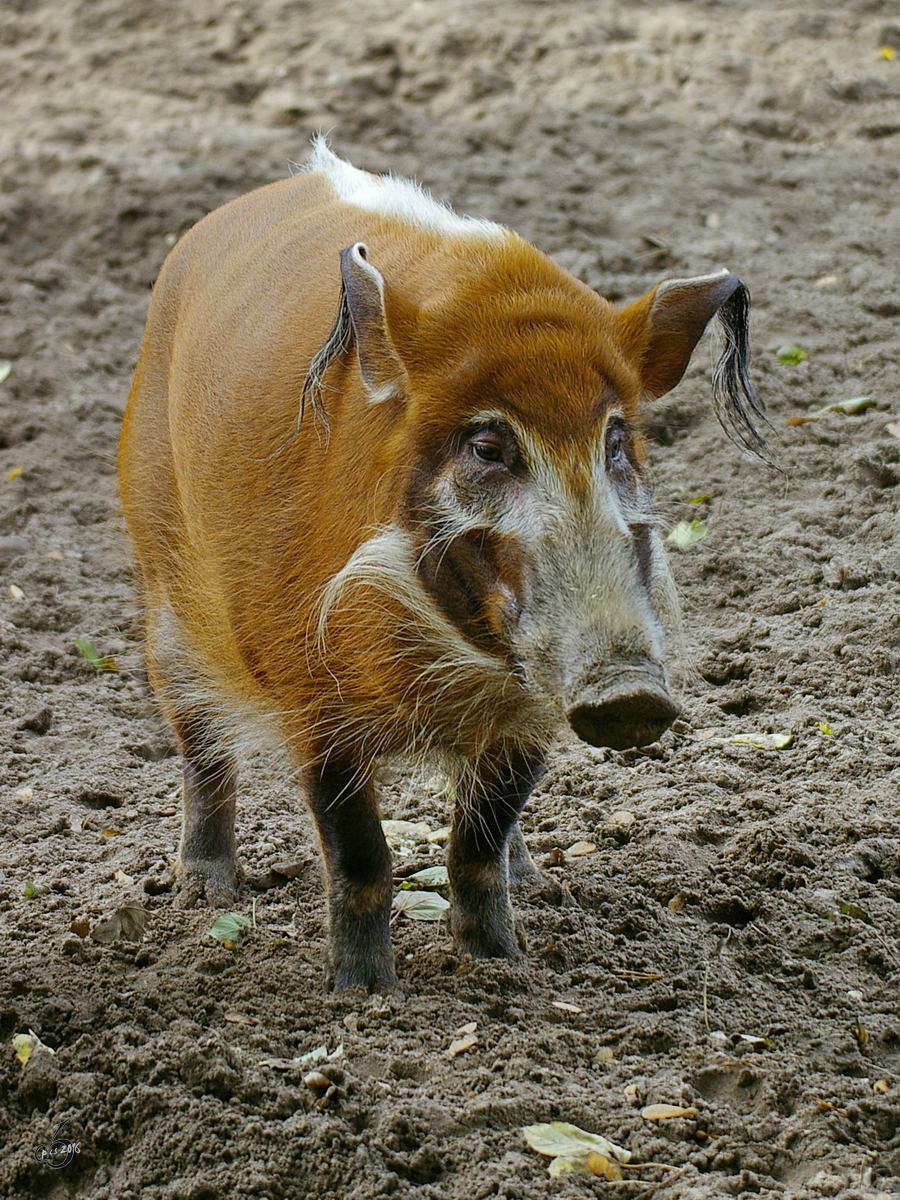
487 851
206 866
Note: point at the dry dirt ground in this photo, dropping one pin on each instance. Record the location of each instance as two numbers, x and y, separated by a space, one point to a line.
701 949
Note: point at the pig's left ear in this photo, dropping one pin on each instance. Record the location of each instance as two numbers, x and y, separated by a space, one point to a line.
659 333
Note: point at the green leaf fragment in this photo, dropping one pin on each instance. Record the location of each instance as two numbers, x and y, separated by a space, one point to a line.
230 926
851 408
704 499
853 910
790 354
764 741
430 876
90 653
30 889
5 368
421 906
687 533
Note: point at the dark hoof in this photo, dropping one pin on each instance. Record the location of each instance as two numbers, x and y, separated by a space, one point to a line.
210 884
363 980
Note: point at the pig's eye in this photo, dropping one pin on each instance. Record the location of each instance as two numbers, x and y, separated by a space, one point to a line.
487 448
617 448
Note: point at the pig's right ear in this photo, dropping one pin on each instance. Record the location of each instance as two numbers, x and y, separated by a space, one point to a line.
659 333
364 295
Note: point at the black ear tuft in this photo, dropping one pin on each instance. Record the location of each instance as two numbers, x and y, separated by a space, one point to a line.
733 393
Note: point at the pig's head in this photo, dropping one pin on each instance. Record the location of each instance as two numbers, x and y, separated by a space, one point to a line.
524 399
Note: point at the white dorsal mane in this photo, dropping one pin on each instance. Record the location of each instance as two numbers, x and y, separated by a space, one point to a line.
399 198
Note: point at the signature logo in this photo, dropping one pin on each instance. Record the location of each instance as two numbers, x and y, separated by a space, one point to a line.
60 1151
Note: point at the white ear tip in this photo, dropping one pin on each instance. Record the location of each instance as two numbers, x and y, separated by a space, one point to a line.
359 251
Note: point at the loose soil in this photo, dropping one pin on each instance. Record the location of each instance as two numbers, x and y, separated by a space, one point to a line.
700 954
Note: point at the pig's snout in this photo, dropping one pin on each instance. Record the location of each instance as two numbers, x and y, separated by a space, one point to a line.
633 712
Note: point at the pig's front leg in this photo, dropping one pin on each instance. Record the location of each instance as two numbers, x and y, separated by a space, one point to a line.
481 855
358 878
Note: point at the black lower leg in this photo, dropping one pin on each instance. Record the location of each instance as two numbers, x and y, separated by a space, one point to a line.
478 858
359 878
207 861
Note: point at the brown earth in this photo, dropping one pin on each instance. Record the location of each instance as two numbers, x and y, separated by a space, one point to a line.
702 943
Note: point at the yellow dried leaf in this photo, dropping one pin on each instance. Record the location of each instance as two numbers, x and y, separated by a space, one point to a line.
565 1006
580 849
889 53
599 1164
605 1054
237 1018
16 592
469 1027
460 1045
666 1112
14 473
110 833
881 1085
677 903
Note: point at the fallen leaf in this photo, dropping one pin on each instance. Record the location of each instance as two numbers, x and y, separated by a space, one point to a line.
432 876
677 903
460 1045
16 592
14 473
581 849
30 889
888 52
650 975
238 1018
229 927
894 430
469 1027
55 556
560 1140
666 1112
25 1044
828 1106
321 1052
621 819
599 1164
789 355
826 281
850 408
110 833
753 1040
605 1054
826 729
25 793
881 1085
565 1006
687 533
5 368
630 1093
763 741
441 835
92 655
121 877
704 499
853 910
421 906
128 922
404 836
81 926
859 1032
